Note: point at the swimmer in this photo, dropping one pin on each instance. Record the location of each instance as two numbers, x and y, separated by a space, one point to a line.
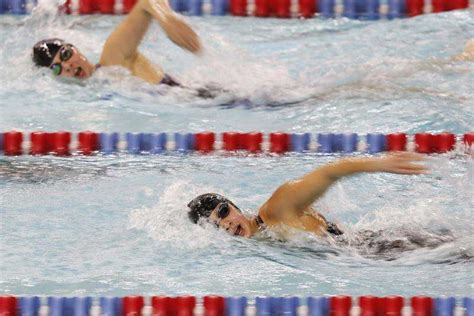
291 204
121 48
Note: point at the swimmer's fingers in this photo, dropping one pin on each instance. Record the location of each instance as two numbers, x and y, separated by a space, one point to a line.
404 163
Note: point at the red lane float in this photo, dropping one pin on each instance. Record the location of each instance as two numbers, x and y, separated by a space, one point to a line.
307 8
106 6
238 7
415 7
8 305
443 142
231 141
86 6
133 305
370 305
160 305
39 143
340 305
423 143
392 305
468 139
12 142
251 142
448 5
185 305
396 142
279 142
282 8
214 305
205 141
88 142
59 142
421 306
262 8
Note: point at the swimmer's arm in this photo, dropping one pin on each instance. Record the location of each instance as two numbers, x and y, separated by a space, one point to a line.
296 196
122 44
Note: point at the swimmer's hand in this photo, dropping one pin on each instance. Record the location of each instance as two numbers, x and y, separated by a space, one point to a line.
177 30
181 33
401 163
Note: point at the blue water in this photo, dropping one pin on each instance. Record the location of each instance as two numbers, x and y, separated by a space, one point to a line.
116 225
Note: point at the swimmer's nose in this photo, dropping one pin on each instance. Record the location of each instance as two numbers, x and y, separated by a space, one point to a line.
67 67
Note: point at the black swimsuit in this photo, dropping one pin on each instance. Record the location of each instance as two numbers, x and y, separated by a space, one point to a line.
169 81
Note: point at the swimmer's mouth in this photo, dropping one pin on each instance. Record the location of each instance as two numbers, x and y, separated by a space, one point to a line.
238 231
79 72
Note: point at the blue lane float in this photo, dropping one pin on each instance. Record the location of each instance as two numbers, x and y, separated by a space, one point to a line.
184 141
349 142
396 9
300 142
372 10
179 5
219 7
318 306
288 306
18 7
158 143
29 306
56 305
235 306
134 143
81 305
195 7
444 306
110 306
468 304
326 143
326 8
263 306
376 143
108 142
362 9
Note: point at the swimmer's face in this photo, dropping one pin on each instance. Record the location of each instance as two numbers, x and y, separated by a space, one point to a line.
228 217
70 63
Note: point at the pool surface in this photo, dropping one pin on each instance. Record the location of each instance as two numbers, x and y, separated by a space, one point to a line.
117 225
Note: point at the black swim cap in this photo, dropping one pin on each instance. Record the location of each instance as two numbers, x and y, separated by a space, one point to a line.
203 205
45 50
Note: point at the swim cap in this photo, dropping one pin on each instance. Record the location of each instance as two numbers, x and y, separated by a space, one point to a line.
45 50
204 204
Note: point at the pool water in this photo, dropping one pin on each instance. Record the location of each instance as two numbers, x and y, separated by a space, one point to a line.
117 225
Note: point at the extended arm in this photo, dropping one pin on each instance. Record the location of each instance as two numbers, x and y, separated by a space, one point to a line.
122 45
296 196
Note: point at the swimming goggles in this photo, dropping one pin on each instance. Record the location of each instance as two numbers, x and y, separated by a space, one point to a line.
223 210
65 53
